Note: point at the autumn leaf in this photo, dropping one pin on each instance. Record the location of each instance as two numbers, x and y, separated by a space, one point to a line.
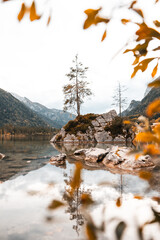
126 122
132 4
22 12
49 19
154 70
153 108
156 23
157 199
145 175
144 32
92 18
155 83
55 204
104 36
125 21
118 202
145 137
141 66
138 197
157 48
137 155
33 14
151 150
138 11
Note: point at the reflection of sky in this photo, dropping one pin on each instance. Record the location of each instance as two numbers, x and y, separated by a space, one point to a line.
23 203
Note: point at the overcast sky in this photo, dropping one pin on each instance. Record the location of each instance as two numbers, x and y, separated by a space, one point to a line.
34 58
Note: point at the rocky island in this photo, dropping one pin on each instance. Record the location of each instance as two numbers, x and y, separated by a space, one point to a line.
107 127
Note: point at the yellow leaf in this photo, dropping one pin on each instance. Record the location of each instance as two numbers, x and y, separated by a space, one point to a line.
153 108
55 204
22 12
33 14
145 175
132 4
104 36
125 21
154 70
155 83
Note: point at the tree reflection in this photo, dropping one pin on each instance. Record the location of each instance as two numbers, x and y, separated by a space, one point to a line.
74 203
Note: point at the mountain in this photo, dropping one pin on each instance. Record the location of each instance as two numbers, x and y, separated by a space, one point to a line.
14 112
54 117
132 105
141 107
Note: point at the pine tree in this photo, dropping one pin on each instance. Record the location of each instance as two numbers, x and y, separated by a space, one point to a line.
77 90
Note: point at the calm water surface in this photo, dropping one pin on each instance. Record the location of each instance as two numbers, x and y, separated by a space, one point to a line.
29 184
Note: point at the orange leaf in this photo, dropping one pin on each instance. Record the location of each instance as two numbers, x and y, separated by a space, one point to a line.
151 150
92 18
86 199
141 66
153 108
104 36
156 23
157 48
49 19
125 21
138 197
33 14
154 70
144 32
139 12
132 4
55 204
126 122
22 12
155 83
145 175
138 155
145 137
119 202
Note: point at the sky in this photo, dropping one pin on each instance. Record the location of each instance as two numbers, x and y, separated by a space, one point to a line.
34 58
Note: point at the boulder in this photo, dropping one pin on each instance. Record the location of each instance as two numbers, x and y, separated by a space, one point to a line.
92 155
102 136
58 160
1 156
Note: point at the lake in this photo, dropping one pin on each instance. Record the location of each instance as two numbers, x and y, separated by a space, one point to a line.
29 184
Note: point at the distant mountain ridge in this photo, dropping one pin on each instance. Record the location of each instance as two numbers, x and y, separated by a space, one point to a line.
54 117
14 112
140 108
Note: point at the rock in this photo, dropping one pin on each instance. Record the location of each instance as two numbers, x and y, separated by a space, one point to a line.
115 157
1 156
102 137
95 123
92 154
109 116
58 160
119 138
121 157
